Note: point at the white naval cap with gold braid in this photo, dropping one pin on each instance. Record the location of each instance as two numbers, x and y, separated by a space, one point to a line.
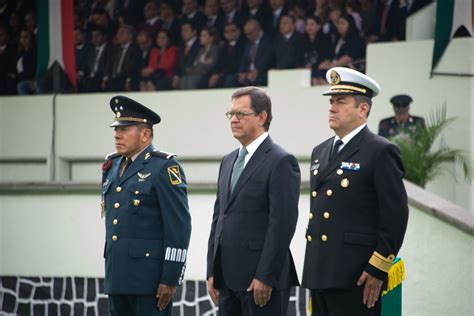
349 81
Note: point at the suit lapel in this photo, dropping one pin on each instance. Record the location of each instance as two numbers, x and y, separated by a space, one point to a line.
250 169
349 150
136 165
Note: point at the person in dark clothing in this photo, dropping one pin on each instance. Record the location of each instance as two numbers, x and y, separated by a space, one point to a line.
94 69
288 45
7 63
258 11
225 75
349 48
187 52
26 63
316 45
82 51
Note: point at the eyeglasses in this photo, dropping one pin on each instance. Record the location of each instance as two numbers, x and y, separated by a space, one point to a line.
239 115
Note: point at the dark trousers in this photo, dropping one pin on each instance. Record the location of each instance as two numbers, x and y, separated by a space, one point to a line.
342 302
242 303
137 305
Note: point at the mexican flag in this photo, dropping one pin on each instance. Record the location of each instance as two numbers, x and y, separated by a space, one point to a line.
56 37
453 18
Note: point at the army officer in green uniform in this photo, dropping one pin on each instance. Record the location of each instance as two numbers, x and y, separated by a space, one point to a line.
403 121
147 221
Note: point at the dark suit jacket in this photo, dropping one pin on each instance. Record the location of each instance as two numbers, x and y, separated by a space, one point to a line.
90 59
131 62
147 223
289 53
186 60
252 227
264 59
359 203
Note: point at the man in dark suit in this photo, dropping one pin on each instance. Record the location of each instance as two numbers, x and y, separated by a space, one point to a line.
258 56
95 62
147 222
123 67
231 13
226 72
288 45
250 268
187 52
7 63
191 12
359 207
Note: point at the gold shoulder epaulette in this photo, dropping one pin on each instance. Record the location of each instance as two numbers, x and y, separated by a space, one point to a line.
163 154
112 155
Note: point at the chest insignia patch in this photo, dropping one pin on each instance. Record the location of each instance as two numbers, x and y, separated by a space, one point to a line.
143 176
175 176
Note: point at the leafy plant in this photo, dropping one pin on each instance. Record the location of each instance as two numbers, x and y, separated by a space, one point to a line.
423 162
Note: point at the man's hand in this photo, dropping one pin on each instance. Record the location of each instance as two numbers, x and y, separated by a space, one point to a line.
164 295
261 292
372 289
213 293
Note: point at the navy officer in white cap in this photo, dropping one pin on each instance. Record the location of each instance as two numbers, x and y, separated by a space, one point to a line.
147 222
358 209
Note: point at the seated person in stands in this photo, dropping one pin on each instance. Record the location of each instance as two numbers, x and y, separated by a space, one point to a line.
123 66
349 49
258 56
26 63
197 75
288 45
316 46
152 24
226 72
95 62
159 71
187 52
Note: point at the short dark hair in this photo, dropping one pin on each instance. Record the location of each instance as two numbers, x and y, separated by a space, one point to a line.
259 101
363 99
190 23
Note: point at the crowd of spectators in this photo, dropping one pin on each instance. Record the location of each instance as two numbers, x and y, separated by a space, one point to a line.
125 45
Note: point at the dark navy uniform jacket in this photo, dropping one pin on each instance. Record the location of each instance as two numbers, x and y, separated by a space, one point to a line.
147 223
359 212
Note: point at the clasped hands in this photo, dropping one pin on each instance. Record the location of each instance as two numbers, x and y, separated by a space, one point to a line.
262 292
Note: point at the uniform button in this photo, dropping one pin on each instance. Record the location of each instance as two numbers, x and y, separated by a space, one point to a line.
136 192
309 238
117 205
324 237
329 192
310 215
115 221
147 254
339 171
118 189
315 172
136 202
326 215
114 237
314 194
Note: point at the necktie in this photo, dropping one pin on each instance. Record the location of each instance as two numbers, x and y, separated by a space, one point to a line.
335 149
238 167
122 57
124 166
253 54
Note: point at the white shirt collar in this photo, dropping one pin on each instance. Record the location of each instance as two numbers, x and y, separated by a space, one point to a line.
346 139
253 146
253 11
191 15
152 20
287 36
138 153
191 41
278 11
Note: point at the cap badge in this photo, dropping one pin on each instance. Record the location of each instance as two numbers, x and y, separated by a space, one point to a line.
335 78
